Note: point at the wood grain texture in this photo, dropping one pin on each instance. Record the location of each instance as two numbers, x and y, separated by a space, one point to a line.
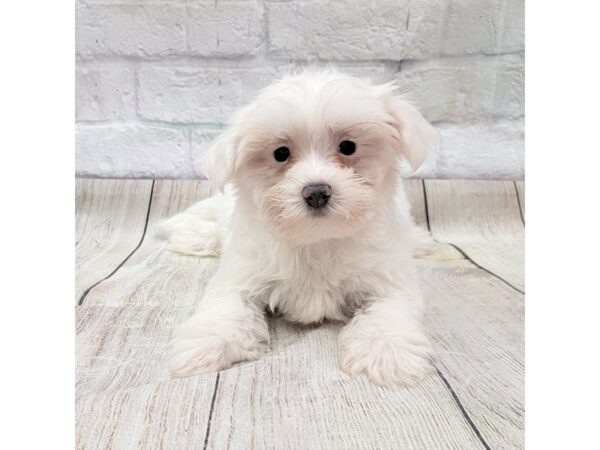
153 276
475 319
109 224
477 325
473 208
483 219
296 396
125 397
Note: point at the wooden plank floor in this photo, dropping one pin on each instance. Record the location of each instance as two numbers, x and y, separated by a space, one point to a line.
131 294
110 221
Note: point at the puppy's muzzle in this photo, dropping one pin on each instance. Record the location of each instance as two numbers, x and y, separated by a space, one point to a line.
316 195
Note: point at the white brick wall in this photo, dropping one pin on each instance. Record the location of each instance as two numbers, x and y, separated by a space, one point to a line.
157 79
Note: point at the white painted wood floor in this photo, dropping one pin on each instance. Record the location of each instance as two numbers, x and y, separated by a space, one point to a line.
130 294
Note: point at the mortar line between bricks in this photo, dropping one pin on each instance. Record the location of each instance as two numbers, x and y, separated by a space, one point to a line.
88 290
267 38
190 151
136 90
151 122
486 121
254 62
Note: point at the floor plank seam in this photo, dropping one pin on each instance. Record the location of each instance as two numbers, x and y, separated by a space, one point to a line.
461 251
519 202
210 413
468 258
462 409
425 205
87 291
440 374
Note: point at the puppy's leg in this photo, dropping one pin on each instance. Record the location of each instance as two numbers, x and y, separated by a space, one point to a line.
200 230
386 340
226 328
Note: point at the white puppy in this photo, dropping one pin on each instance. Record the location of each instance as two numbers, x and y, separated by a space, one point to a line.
319 228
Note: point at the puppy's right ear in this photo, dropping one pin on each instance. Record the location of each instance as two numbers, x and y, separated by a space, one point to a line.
219 162
416 135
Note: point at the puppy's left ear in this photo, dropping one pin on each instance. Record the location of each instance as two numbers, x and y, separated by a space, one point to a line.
416 135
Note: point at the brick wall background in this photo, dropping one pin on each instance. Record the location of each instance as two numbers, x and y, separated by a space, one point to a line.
156 80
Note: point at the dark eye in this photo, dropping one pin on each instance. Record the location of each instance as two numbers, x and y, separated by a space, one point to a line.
347 147
281 154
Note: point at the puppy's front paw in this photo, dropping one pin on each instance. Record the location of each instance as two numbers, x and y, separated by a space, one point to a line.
200 348
207 354
386 358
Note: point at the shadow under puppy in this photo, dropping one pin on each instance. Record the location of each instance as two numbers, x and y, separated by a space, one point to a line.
313 223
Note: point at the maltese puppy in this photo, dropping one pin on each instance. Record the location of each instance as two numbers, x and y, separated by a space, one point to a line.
313 225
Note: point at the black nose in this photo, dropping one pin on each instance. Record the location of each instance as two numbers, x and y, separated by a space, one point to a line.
316 195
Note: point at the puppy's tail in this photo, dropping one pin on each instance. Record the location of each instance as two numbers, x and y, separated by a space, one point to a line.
200 230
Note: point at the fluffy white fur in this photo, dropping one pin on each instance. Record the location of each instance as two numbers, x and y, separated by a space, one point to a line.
353 263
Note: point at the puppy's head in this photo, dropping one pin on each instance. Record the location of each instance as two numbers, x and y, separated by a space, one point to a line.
316 153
